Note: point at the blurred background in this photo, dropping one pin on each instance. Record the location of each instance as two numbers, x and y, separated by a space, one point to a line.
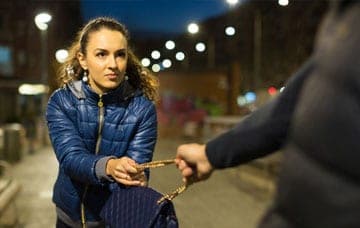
217 61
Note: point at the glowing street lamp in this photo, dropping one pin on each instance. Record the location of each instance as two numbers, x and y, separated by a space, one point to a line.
283 2
155 54
232 2
200 47
230 31
42 20
170 44
156 68
193 28
166 63
61 55
145 62
180 56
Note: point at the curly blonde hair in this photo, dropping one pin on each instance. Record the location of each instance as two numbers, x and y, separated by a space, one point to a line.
139 77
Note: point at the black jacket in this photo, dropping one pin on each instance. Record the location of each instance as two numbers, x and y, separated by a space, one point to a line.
316 122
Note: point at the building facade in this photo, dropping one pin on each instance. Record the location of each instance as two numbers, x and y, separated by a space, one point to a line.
21 51
268 45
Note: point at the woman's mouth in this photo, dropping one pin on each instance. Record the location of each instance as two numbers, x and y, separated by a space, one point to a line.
111 76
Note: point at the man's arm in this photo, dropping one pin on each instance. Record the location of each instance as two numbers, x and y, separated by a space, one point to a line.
263 131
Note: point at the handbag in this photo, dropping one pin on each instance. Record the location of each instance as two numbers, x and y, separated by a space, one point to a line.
141 207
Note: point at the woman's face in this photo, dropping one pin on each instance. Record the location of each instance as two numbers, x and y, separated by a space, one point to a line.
106 58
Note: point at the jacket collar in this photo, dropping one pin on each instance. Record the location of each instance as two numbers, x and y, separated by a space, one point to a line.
122 93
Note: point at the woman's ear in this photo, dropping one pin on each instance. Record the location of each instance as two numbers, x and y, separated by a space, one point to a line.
81 58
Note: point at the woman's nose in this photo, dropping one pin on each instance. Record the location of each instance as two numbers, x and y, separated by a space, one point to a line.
112 62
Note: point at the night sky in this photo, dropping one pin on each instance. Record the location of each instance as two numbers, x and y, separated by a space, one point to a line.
155 16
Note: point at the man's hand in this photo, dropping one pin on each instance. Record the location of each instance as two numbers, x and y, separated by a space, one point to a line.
193 163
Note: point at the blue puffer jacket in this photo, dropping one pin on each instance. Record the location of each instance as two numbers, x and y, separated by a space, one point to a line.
125 126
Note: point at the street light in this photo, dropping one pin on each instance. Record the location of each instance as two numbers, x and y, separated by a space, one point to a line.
283 2
155 54
230 31
170 45
232 2
145 62
166 63
41 21
61 55
193 28
156 68
200 47
180 56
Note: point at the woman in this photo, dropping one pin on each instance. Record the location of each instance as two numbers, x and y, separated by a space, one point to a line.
102 122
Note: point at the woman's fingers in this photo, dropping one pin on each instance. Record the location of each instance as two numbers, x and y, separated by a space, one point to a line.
125 178
128 178
129 182
122 175
127 165
124 170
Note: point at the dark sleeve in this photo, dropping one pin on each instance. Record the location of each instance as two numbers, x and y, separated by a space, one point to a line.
263 131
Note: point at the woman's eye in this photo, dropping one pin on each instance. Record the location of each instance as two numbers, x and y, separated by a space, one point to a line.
100 54
121 54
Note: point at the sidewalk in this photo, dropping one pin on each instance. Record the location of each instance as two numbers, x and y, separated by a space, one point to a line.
219 202
36 174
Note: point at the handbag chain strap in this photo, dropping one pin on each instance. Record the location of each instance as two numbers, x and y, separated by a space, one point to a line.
162 163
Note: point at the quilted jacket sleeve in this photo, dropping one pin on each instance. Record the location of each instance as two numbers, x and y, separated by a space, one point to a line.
74 159
142 145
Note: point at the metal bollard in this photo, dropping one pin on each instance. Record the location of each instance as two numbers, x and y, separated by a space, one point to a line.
14 135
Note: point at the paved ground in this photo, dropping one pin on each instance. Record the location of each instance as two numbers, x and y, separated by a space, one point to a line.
218 202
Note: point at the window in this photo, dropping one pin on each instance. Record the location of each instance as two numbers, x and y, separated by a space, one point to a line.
6 65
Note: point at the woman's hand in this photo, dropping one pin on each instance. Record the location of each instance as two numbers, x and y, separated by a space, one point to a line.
124 171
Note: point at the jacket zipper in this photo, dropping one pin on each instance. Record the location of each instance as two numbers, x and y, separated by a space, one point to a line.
100 104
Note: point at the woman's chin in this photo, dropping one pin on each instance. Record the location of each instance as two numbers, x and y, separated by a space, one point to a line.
110 85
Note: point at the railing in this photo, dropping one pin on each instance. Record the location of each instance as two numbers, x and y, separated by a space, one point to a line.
214 126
